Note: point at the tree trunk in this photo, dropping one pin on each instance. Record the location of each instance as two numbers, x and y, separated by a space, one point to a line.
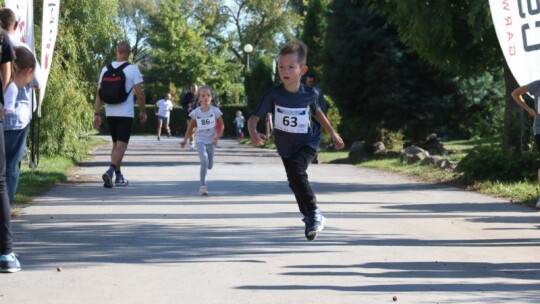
513 117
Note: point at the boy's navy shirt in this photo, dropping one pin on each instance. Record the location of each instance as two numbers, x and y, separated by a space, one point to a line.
307 98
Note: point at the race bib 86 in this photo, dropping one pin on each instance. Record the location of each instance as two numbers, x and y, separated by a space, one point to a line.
204 123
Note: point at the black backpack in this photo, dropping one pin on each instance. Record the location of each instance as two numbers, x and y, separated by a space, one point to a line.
113 85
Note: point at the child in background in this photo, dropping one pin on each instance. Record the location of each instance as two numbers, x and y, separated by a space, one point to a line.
295 107
239 122
204 120
163 110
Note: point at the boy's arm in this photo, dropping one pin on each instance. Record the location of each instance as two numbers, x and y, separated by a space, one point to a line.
517 95
321 118
189 131
256 138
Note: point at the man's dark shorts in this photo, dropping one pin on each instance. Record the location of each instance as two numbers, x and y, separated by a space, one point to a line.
120 128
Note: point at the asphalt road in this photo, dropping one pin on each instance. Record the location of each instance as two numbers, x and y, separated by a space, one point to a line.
157 241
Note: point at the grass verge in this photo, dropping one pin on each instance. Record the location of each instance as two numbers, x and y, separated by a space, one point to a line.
523 192
50 171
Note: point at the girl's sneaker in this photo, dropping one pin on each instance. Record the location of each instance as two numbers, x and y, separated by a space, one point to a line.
9 263
203 190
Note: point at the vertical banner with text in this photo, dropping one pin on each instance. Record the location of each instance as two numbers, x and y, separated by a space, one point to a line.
24 12
51 11
517 23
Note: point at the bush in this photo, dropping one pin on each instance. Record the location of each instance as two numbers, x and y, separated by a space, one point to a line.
490 162
334 117
178 122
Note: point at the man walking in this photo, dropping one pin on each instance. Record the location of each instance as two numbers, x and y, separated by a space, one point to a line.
119 112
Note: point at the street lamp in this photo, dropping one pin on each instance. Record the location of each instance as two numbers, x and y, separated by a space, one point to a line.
248 48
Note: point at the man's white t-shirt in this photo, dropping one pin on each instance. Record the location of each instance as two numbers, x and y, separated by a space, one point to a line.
133 77
164 105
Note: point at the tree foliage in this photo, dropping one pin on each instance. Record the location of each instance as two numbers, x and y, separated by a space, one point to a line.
454 35
314 33
379 84
462 41
86 35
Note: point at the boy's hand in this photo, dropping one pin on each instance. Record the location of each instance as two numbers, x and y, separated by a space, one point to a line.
182 144
338 142
215 140
257 139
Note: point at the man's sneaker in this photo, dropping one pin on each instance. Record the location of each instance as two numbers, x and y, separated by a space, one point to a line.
121 181
9 263
168 134
107 179
538 203
314 224
158 138
203 190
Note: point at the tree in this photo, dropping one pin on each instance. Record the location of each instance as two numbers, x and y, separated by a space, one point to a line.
86 35
178 53
133 17
261 23
461 41
259 79
313 34
379 84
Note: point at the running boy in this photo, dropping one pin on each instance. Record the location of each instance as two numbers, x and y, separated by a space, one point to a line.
204 120
295 106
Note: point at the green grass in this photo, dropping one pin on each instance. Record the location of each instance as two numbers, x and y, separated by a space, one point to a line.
50 171
522 192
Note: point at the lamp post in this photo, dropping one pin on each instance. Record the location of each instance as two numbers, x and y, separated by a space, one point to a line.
248 48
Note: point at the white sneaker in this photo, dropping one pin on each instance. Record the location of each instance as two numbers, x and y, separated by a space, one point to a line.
203 190
192 147
538 203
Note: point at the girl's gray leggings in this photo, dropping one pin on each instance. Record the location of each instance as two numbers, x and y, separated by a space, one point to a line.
206 155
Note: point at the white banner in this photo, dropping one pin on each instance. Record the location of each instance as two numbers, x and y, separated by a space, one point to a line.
24 12
517 23
51 10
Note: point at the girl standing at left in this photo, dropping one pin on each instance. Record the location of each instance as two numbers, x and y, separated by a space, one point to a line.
204 120
23 73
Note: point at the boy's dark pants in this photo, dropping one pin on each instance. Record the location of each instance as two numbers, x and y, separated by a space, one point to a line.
296 167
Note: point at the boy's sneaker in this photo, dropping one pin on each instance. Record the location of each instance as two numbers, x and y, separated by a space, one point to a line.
314 224
121 181
203 190
9 263
107 179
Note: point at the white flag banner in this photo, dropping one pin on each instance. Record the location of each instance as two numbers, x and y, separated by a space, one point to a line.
51 11
24 12
517 23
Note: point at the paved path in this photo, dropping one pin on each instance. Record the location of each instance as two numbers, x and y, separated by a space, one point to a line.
157 241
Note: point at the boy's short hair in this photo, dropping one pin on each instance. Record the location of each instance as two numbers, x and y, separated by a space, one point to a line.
7 18
295 47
